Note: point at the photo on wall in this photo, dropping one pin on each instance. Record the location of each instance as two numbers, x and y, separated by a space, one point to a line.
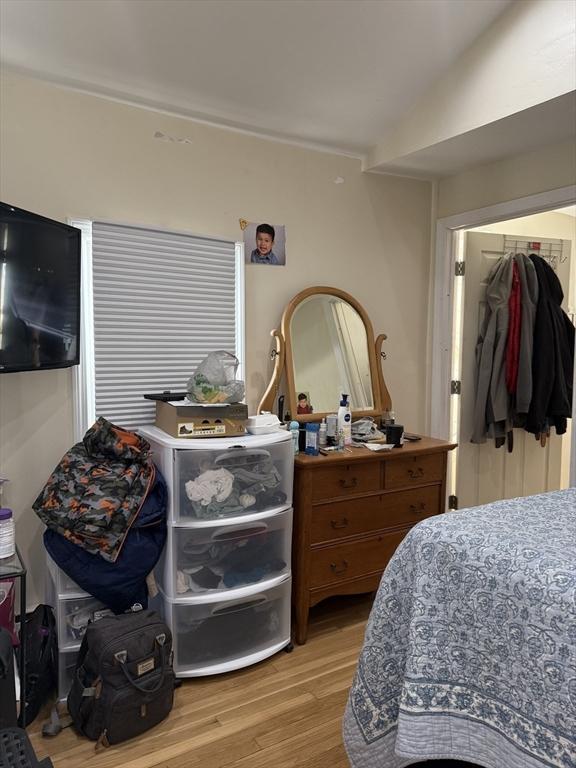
264 243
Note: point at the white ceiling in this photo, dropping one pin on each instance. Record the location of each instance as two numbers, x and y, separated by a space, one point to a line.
334 74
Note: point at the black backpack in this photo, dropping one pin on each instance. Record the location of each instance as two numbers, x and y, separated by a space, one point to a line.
41 659
123 683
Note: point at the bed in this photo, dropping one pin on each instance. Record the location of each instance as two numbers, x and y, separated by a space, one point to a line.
470 648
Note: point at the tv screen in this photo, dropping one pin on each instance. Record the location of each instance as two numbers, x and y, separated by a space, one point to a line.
39 292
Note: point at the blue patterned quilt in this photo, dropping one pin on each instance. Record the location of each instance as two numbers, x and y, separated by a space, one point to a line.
470 649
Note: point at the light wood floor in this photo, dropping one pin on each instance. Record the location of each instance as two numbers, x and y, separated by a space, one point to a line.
282 713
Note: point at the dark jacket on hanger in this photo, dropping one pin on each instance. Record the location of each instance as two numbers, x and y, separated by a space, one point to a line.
552 357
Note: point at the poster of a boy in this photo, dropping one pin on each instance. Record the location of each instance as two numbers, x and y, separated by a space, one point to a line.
269 241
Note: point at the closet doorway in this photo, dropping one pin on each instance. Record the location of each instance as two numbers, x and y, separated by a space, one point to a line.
483 472
467 246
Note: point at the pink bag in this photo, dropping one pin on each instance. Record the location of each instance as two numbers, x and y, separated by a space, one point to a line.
7 599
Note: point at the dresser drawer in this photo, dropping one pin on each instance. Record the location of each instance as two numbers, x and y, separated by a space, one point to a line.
345 480
414 470
339 519
341 562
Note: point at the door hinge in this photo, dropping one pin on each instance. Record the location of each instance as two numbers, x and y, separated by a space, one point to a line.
455 387
460 268
452 502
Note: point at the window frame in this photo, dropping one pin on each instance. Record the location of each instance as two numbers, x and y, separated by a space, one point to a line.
84 384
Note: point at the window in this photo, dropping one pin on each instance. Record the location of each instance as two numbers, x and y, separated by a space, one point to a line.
154 304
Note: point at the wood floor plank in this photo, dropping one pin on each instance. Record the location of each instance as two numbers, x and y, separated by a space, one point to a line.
312 714
298 750
285 712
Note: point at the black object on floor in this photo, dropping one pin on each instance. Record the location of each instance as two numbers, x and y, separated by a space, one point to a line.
8 717
16 751
445 764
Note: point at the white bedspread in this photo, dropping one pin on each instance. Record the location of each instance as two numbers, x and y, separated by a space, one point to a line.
470 649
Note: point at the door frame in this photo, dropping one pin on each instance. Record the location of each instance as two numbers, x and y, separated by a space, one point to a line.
444 261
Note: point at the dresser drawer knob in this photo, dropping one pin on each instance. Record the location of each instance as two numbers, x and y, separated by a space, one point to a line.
418 508
339 568
351 483
414 474
343 523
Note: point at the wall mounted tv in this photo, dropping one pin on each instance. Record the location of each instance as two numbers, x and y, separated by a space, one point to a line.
39 292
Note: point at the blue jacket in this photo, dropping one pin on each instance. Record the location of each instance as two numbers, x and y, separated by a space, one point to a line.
120 584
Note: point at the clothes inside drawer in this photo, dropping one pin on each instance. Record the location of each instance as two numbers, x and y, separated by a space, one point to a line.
212 484
218 558
221 632
73 614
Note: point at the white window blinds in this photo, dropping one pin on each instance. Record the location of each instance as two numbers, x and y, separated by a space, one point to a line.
162 301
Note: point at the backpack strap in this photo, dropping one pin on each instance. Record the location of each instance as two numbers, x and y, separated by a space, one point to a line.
122 658
56 723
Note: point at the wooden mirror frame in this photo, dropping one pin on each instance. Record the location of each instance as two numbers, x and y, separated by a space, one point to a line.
283 360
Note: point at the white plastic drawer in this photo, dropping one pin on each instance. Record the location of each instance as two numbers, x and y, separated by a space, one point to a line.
64 585
72 615
213 484
224 557
66 667
217 636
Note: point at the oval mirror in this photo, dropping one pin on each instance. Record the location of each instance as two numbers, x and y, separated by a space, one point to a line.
326 347
330 355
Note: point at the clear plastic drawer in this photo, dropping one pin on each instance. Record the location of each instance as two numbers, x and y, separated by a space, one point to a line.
222 557
218 636
66 667
73 615
64 585
240 480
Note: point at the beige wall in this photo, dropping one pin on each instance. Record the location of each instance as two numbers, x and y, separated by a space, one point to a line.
522 175
66 154
492 79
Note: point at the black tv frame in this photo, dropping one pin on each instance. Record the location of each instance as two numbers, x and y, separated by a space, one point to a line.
71 231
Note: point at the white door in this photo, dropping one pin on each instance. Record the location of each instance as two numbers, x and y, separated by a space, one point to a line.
485 473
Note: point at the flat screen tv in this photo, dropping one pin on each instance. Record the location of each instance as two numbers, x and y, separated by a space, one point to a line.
39 292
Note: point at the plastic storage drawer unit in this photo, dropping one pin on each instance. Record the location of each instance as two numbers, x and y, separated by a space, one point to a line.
73 612
225 557
220 636
63 584
66 667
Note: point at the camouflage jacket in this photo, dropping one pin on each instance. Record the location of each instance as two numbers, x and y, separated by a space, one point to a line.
96 491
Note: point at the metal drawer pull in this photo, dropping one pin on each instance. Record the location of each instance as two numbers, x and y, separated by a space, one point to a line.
418 508
352 483
339 524
339 569
414 474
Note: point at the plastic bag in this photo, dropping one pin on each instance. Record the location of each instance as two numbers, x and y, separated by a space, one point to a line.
214 380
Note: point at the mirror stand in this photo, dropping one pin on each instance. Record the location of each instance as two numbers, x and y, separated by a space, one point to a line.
278 354
385 399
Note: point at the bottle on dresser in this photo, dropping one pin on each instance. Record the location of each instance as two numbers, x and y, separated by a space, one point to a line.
345 420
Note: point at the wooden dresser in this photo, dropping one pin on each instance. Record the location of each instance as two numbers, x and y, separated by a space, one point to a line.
352 509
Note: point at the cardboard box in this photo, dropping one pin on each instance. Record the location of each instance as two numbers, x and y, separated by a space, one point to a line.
183 419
